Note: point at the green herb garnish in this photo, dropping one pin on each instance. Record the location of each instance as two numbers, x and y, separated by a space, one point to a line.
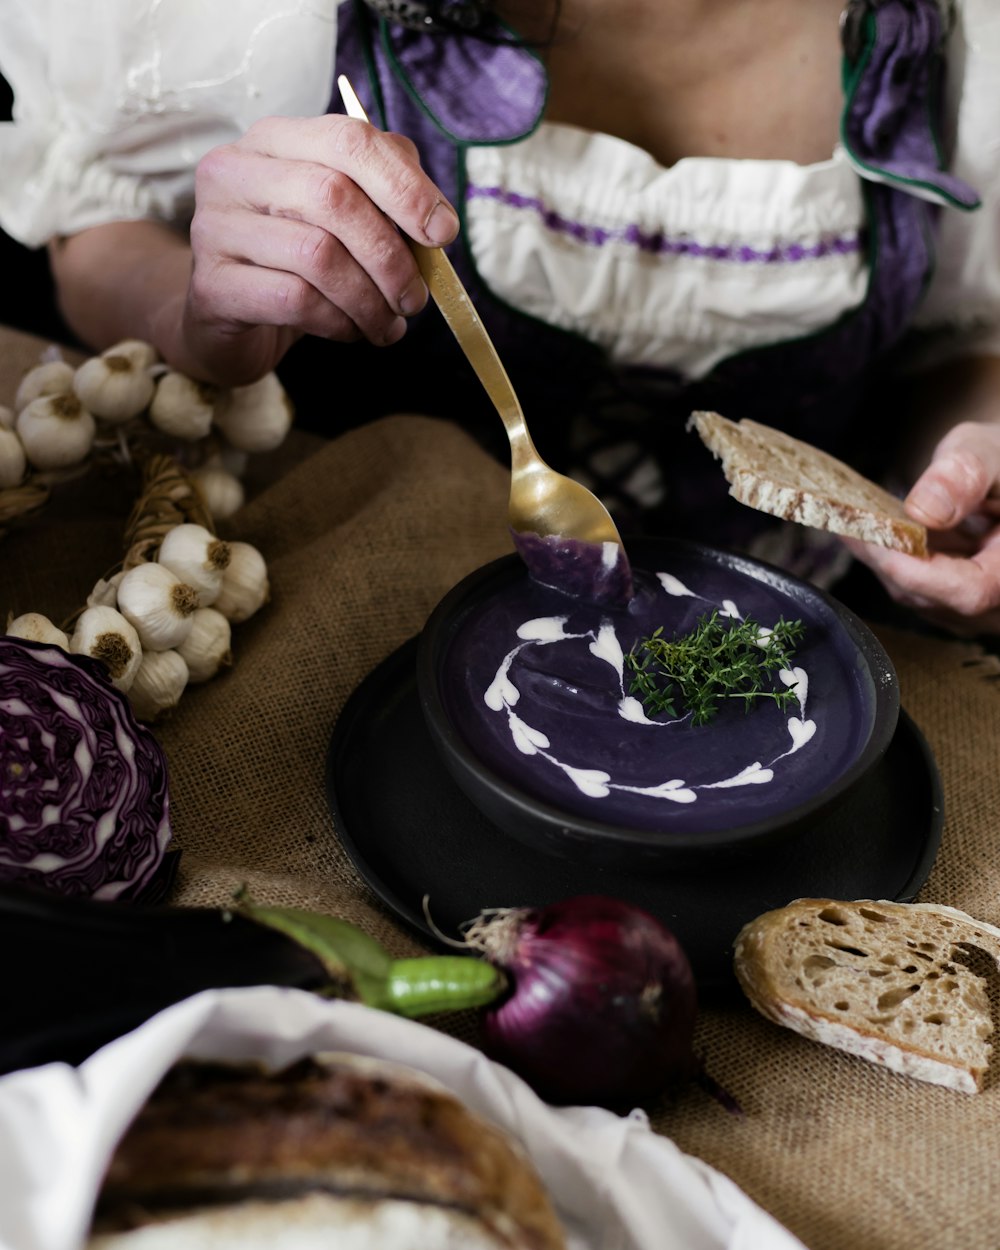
715 661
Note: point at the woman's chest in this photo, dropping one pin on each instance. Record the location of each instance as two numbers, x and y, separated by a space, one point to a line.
756 79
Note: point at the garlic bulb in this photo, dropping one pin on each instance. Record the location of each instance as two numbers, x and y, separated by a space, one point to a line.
245 585
54 377
197 557
182 407
207 648
107 636
35 627
13 461
112 387
255 417
158 605
143 355
8 418
56 430
158 685
223 494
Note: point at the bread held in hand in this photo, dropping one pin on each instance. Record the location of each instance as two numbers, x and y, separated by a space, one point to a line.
890 982
769 470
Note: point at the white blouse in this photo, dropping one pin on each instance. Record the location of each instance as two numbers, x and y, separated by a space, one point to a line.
116 101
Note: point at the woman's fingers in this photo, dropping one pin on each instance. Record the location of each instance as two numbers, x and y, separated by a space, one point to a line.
963 472
297 225
964 589
958 585
270 191
385 167
290 272
317 227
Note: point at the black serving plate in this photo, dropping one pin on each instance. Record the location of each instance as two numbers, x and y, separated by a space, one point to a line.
411 832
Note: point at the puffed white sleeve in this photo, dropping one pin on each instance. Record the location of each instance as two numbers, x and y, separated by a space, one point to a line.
115 101
962 303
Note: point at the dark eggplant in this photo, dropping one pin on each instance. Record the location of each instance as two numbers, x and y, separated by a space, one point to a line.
77 973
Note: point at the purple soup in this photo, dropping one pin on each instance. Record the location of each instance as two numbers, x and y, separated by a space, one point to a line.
535 683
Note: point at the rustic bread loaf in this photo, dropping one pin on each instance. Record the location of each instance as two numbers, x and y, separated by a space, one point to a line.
891 982
335 1150
773 472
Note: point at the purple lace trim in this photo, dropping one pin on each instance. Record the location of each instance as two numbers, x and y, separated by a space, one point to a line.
659 244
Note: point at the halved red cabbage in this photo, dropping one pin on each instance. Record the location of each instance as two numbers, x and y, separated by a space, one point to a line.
84 807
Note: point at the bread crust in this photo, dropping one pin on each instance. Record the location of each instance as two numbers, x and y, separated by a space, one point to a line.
223 1136
773 472
932 1022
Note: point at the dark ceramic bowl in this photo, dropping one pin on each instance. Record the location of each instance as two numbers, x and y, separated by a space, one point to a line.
528 703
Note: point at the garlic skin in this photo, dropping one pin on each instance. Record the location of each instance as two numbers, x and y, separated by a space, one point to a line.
34 627
207 647
105 592
158 685
182 407
13 461
197 557
105 635
158 606
222 493
54 377
113 388
143 355
245 584
255 417
8 417
56 431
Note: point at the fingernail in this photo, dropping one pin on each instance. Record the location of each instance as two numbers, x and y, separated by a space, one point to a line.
933 501
442 224
413 298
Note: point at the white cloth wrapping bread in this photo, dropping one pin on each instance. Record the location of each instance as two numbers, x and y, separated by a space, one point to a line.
615 1184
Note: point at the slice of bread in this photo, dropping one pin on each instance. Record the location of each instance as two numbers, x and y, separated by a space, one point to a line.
890 982
335 1150
769 470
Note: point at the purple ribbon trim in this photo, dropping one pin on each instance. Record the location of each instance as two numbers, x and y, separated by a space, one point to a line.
659 244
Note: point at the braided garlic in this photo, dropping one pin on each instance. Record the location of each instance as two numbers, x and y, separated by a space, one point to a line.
151 623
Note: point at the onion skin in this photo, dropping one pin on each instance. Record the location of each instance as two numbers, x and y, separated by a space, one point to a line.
603 1004
84 804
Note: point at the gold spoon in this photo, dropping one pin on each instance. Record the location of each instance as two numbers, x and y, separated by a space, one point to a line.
542 501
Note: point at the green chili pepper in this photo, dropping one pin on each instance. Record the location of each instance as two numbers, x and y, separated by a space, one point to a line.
360 968
418 987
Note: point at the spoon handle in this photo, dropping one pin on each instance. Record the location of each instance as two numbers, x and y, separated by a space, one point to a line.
464 322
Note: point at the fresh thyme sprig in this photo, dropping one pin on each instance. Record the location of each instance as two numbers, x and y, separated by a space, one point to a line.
715 661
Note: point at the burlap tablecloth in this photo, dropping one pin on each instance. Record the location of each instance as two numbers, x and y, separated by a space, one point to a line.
362 536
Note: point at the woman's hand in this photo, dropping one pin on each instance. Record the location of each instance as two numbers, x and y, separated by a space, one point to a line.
958 498
295 233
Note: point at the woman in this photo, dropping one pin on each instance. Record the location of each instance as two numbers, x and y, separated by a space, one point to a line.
664 206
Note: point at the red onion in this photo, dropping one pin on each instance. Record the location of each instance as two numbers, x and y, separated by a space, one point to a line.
84 807
602 1005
